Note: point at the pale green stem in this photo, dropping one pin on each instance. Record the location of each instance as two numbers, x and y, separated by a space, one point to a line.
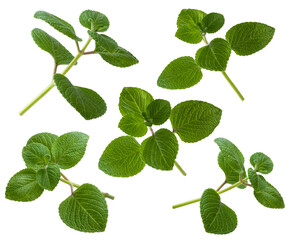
222 191
180 168
52 84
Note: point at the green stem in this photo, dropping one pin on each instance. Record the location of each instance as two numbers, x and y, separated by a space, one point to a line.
180 168
232 85
222 191
52 84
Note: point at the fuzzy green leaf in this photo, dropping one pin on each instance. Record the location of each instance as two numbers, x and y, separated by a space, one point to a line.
44 138
194 120
134 100
94 21
214 56
121 158
48 178
158 111
111 52
86 101
69 149
36 155
249 37
217 217
212 22
159 151
181 73
49 44
133 124
188 25
23 186
262 163
57 23
85 210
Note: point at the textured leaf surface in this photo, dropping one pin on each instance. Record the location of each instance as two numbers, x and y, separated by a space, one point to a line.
212 22
94 21
181 73
159 151
262 163
85 210
121 158
69 149
36 155
134 100
215 55
57 23
194 120
48 178
133 124
49 44
23 186
44 138
111 52
158 111
86 101
217 217
249 37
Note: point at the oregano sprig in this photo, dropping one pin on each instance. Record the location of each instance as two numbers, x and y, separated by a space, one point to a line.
191 120
192 27
45 154
86 101
216 216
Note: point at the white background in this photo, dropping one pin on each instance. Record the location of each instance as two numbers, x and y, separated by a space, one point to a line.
142 207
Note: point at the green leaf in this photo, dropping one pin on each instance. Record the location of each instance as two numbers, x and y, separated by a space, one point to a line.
217 217
57 23
249 37
111 52
232 155
133 124
214 56
181 73
69 149
194 120
262 163
188 25
159 151
85 210
158 111
134 100
264 192
121 158
48 178
49 44
212 22
94 21
47 139
23 186
36 155
87 102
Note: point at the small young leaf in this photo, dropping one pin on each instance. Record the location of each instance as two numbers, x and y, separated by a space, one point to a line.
249 37
69 149
48 178
158 111
188 24
134 100
215 56
194 120
212 22
121 158
49 44
36 155
111 52
261 162
159 151
44 138
217 217
57 23
133 124
23 186
181 73
232 155
94 21
85 210
87 102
